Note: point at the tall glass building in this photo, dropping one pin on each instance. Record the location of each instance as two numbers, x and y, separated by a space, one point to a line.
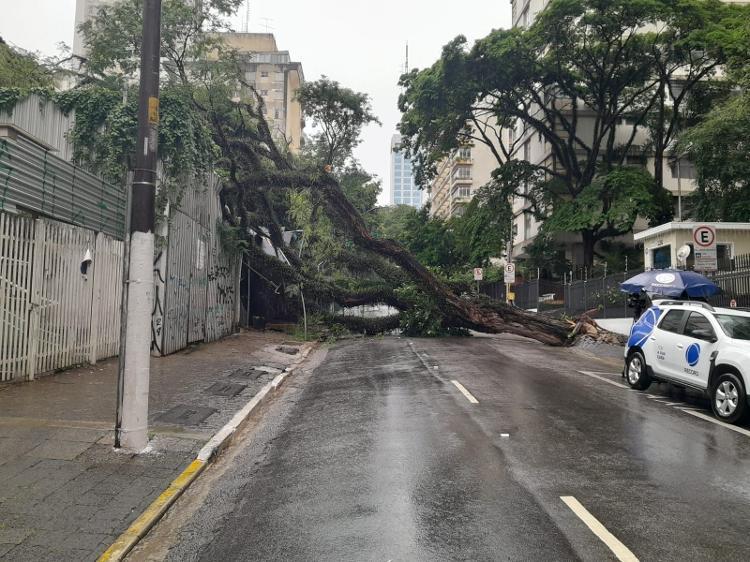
403 189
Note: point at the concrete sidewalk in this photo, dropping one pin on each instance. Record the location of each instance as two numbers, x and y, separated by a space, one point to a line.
65 494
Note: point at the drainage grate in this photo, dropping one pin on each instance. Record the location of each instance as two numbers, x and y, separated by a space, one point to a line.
186 415
225 389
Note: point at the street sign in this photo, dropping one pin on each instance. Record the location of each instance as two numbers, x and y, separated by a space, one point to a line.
704 242
510 272
478 274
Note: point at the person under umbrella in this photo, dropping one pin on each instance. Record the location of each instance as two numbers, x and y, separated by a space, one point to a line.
638 301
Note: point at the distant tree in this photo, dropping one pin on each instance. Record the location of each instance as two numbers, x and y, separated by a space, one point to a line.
484 229
340 113
719 148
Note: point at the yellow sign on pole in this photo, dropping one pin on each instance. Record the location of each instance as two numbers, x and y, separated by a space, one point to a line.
153 111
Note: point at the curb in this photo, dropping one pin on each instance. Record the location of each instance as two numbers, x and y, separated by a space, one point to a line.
221 439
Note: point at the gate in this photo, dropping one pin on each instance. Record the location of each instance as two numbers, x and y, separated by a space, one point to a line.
52 315
16 255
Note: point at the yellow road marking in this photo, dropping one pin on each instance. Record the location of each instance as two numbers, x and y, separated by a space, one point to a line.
126 541
621 551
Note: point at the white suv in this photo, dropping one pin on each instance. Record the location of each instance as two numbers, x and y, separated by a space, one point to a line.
692 344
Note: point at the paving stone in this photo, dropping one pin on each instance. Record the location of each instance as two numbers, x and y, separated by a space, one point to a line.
83 541
14 536
186 415
225 389
48 538
79 434
60 450
12 448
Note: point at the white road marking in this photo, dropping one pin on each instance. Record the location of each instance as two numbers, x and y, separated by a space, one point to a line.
465 392
505 435
717 422
621 551
593 375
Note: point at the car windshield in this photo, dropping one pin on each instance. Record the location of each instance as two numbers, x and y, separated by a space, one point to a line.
737 327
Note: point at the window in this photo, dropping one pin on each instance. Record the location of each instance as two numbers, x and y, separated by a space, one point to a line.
276 113
264 74
264 93
699 327
661 258
737 327
672 321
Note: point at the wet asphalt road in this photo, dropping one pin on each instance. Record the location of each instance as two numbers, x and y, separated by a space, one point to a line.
376 455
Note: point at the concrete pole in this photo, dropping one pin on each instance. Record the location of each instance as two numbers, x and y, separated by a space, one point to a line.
132 430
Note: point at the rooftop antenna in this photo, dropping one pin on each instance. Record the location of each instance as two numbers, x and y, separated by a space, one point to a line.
406 63
266 25
246 28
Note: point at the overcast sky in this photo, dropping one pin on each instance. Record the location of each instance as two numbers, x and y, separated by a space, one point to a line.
360 44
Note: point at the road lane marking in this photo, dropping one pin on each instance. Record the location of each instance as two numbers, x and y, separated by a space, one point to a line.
465 392
717 422
505 435
621 551
617 384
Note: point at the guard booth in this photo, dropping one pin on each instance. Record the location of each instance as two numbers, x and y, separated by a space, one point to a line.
661 243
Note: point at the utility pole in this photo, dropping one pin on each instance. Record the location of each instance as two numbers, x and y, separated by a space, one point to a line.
131 431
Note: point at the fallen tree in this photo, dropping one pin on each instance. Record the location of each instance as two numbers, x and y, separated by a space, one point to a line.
216 121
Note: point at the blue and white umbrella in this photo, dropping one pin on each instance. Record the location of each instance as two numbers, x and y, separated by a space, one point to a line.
671 283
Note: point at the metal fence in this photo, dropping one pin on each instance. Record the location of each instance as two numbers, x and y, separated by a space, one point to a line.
52 315
602 294
33 179
196 283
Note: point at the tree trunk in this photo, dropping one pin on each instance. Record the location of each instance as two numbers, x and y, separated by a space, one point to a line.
589 242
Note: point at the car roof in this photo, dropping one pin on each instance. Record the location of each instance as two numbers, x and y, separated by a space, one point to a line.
692 305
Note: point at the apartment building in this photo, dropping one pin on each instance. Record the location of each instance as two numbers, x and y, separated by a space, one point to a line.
459 177
276 78
85 9
403 189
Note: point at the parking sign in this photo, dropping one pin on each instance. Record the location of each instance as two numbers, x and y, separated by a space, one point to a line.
510 272
704 243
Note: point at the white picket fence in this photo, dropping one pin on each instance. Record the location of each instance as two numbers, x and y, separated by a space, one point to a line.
53 316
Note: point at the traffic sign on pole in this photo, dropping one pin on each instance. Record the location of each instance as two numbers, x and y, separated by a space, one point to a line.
704 244
510 272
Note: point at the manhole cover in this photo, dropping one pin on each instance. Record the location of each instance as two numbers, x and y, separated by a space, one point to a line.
186 415
225 389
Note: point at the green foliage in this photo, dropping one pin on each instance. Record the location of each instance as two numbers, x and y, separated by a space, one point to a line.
231 239
719 148
571 78
340 113
188 34
20 73
424 317
610 204
484 229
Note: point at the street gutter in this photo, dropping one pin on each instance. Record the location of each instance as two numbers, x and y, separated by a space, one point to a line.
220 440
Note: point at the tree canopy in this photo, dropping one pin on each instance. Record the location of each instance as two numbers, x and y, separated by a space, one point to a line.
572 79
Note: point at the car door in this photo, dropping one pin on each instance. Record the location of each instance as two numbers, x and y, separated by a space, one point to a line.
692 361
664 341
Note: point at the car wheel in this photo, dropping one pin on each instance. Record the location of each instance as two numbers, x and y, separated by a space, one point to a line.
728 399
636 372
